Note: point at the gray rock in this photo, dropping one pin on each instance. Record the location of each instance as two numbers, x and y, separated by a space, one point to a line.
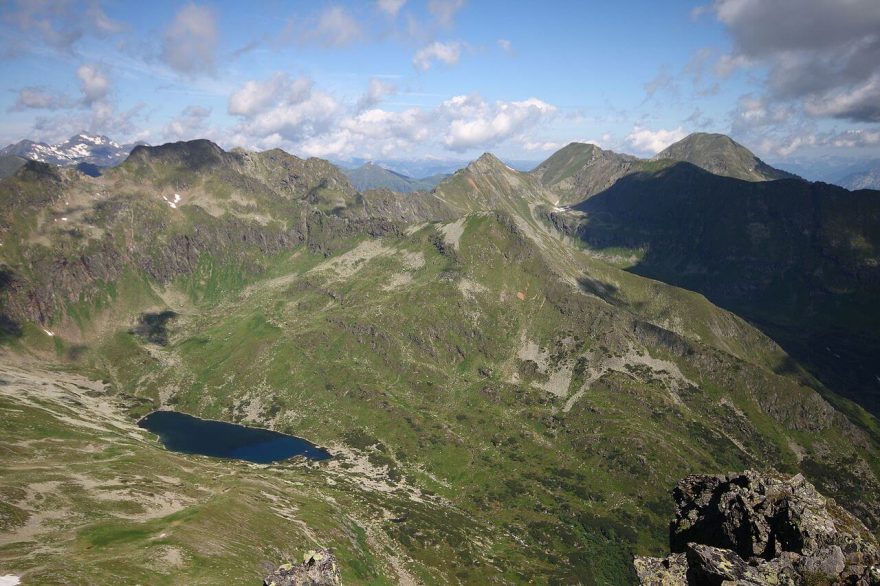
319 568
754 528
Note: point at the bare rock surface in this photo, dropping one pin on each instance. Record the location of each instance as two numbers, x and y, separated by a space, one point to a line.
319 568
754 528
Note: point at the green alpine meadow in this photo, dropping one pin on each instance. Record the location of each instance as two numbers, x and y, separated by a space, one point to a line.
441 292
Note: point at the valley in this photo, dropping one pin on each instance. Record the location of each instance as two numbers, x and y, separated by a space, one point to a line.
504 400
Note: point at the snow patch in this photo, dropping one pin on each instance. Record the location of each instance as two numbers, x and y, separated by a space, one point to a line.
9 580
50 334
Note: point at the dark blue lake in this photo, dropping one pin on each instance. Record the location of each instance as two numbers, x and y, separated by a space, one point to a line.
184 433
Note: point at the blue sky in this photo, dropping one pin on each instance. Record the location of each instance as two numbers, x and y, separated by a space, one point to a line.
794 80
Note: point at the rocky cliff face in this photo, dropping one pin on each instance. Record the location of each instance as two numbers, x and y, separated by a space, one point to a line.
753 528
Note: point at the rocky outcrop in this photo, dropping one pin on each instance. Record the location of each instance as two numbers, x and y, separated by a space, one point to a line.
753 528
319 568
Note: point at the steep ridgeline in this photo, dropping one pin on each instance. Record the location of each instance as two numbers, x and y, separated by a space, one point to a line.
580 170
490 393
178 211
800 259
721 155
372 176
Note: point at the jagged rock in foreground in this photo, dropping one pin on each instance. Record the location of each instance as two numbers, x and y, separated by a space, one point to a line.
317 569
753 528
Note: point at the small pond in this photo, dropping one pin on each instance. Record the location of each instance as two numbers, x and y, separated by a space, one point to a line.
190 435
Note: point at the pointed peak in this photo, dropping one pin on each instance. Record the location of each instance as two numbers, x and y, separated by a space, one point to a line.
487 162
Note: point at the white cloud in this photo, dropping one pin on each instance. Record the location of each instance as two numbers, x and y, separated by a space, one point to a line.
293 114
375 93
448 53
190 124
189 44
255 96
444 11
654 141
505 45
474 122
390 7
281 109
94 84
856 138
542 146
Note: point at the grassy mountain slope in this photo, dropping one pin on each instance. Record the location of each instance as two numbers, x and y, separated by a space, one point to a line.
493 394
579 170
371 176
798 258
721 155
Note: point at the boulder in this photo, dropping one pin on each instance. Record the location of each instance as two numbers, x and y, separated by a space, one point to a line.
319 568
754 528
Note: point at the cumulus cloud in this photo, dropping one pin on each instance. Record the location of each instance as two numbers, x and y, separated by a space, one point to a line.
448 53
282 109
255 97
375 93
390 7
653 141
475 122
93 81
291 113
444 11
189 45
826 54
189 124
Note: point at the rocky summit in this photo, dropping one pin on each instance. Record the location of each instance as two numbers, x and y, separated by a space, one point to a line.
754 528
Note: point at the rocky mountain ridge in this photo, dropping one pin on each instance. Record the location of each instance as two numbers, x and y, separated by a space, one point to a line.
79 149
753 528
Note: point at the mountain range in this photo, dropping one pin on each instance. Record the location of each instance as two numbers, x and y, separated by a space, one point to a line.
511 370
82 149
867 179
372 176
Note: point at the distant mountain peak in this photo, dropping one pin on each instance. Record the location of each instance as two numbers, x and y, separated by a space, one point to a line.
721 155
488 162
93 149
193 154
